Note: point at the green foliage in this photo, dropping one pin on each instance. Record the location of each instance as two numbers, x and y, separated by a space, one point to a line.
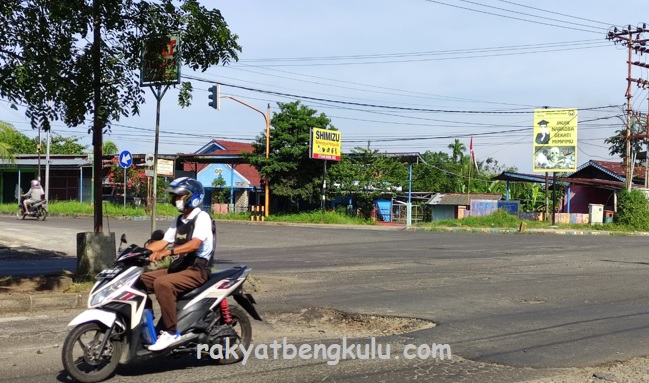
54 41
222 194
617 144
65 145
291 173
110 209
365 175
436 174
13 142
136 180
20 143
633 210
329 217
499 219
109 147
457 150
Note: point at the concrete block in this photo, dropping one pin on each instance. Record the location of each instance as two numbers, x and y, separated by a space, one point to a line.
15 304
55 301
95 252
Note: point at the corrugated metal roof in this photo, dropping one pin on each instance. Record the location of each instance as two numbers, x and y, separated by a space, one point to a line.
461 199
607 184
55 162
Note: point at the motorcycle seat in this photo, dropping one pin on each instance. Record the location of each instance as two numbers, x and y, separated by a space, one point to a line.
214 278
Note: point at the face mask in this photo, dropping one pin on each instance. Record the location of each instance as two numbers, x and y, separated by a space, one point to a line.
180 205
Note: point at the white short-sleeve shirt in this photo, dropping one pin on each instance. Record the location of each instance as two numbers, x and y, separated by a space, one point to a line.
202 231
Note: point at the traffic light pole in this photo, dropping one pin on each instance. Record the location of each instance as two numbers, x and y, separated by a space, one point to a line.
215 96
158 92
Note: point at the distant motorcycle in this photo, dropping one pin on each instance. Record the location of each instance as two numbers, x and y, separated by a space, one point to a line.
38 210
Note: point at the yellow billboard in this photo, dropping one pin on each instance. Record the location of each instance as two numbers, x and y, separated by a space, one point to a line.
555 140
325 144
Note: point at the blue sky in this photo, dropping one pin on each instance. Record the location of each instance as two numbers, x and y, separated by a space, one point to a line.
457 60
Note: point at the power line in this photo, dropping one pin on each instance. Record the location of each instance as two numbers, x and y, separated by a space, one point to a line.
514 18
392 90
556 13
528 14
519 53
373 105
427 53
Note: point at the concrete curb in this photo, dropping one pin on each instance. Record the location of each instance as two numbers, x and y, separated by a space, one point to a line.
528 231
22 303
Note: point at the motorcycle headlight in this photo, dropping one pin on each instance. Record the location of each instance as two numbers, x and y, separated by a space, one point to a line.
123 280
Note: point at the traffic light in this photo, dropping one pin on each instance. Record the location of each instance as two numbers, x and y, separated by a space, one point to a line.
215 97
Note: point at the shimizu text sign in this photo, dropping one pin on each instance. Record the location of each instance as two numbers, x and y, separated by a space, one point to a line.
325 144
555 140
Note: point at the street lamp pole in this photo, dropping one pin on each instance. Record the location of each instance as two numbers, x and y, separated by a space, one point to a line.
267 121
267 187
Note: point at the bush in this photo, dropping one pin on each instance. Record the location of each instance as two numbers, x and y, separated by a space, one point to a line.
633 210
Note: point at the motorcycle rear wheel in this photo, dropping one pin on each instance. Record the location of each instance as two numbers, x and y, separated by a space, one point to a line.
79 353
243 329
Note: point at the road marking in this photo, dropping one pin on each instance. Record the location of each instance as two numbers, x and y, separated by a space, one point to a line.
18 319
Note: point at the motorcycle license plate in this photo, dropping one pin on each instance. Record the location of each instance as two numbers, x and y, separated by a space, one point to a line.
109 273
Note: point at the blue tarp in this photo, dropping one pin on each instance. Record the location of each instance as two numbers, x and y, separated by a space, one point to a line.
384 208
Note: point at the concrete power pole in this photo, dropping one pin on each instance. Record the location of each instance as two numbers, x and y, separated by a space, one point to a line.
634 41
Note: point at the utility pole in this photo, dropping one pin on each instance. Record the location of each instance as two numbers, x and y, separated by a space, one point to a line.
634 41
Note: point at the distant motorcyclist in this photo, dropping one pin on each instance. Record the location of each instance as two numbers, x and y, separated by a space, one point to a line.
34 193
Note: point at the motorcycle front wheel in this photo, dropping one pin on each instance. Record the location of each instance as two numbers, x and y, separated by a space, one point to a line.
239 331
42 213
19 214
81 358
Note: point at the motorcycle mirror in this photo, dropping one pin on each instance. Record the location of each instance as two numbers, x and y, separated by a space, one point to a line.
122 239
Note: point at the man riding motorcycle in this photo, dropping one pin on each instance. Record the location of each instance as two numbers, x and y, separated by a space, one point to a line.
35 192
191 251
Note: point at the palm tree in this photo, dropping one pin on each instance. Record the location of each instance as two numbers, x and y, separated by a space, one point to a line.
457 150
109 147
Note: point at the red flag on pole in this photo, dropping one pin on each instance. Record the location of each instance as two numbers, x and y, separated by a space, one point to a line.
475 162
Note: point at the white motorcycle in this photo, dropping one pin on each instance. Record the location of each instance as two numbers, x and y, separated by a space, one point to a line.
118 325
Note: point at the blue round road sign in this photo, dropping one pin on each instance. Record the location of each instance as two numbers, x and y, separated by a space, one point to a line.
125 159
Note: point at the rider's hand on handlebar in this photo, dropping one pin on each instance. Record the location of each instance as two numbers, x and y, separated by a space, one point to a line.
158 255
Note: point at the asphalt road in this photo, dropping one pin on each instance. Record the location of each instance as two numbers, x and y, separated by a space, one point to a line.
503 302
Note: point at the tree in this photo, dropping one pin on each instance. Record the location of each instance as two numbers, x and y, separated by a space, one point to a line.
19 143
223 193
291 173
109 147
617 144
457 150
435 173
69 59
65 145
366 175
54 76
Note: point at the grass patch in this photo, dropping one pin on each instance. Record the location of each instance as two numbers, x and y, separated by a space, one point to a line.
328 217
109 209
80 287
503 220
232 216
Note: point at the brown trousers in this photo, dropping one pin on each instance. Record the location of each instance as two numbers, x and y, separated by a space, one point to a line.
167 287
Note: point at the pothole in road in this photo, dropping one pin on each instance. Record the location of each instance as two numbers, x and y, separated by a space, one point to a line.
314 322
